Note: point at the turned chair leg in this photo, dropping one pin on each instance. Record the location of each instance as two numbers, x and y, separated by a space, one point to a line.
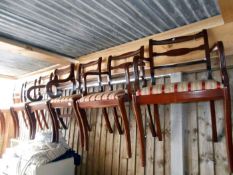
15 122
58 111
44 119
84 118
80 125
2 125
24 119
55 128
32 121
228 128
106 118
117 122
157 122
121 106
138 115
151 123
82 114
38 119
213 121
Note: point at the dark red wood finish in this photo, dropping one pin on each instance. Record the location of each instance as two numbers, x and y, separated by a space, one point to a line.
118 102
193 96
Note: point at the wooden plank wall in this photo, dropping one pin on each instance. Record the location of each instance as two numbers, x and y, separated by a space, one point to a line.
107 154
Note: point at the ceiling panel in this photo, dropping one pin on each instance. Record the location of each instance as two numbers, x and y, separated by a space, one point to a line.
77 27
16 65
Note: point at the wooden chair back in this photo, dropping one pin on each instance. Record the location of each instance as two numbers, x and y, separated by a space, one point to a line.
113 66
87 69
180 51
27 85
38 92
64 78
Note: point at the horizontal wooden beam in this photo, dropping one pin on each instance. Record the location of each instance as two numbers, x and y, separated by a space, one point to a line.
15 47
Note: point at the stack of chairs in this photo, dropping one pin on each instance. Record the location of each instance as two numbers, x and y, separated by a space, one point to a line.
67 90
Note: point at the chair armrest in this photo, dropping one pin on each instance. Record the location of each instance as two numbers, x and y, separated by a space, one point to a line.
220 50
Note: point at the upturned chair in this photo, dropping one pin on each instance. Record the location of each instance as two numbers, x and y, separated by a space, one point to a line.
42 107
18 110
111 99
194 91
68 102
37 108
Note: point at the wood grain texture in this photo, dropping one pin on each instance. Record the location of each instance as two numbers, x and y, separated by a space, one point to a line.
221 166
191 136
226 8
205 144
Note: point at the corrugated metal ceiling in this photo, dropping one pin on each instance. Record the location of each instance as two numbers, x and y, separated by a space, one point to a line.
78 27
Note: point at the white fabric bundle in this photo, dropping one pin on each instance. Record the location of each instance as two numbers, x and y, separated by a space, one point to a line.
24 158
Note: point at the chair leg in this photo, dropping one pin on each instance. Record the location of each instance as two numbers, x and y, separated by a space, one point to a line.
15 122
2 124
55 123
32 121
44 119
137 114
228 128
106 118
213 121
25 120
117 122
121 106
58 111
81 126
151 123
157 122
38 119
84 117
81 113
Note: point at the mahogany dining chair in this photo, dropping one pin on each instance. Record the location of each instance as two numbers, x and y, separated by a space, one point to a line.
112 98
191 91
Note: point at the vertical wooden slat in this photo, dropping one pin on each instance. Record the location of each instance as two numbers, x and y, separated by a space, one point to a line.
221 163
191 137
133 130
159 145
116 146
90 159
103 142
97 143
92 145
139 169
123 150
206 146
167 134
85 154
109 150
